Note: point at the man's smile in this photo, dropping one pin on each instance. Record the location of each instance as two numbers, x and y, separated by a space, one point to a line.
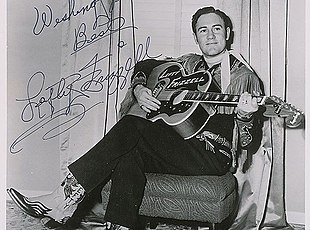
211 43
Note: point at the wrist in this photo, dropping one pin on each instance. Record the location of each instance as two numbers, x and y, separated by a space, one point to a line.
137 87
138 79
243 116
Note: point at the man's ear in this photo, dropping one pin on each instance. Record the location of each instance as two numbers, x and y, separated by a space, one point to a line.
227 33
195 38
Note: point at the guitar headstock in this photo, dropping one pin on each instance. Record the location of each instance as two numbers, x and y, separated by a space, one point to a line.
276 107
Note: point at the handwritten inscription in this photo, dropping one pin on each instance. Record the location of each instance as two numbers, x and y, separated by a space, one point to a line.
45 18
58 107
41 99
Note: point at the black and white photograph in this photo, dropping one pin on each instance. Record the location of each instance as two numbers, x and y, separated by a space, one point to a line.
155 114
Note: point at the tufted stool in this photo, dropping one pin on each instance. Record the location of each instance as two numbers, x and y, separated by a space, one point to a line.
208 199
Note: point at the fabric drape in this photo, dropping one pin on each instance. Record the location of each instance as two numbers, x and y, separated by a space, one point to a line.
97 57
262 40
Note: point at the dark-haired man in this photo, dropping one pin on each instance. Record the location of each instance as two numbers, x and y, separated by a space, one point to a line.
135 146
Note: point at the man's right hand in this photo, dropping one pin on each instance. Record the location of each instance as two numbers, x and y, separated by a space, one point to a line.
145 99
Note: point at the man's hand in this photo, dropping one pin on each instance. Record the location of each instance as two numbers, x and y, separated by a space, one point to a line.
247 105
145 99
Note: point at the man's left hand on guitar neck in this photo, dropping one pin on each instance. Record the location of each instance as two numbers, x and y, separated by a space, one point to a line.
247 105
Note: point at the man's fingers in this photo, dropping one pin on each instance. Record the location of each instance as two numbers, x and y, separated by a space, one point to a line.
254 102
145 108
149 97
146 95
150 105
148 101
247 103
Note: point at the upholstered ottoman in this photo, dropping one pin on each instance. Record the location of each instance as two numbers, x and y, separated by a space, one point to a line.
208 199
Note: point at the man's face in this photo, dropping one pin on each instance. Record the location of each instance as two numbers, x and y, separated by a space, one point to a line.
211 34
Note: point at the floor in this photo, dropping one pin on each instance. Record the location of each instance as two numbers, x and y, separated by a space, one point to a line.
17 220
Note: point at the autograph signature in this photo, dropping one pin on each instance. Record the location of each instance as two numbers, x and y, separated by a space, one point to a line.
42 103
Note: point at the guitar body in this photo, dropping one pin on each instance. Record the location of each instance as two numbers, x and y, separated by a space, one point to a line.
167 81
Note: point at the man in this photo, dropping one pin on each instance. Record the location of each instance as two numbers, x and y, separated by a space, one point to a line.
135 146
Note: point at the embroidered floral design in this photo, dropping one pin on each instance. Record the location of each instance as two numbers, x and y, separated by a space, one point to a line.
244 133
73 191
208 136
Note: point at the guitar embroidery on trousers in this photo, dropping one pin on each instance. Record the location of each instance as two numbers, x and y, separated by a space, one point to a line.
207 136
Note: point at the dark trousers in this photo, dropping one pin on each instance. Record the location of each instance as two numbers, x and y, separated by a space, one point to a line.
133 147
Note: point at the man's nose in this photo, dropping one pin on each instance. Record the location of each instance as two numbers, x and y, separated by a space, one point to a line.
210 34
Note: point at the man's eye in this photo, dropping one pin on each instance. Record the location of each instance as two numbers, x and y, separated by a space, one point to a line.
217 29
202 31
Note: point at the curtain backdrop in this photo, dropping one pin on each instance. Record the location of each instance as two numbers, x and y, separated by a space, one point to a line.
261 37
260 28
98 52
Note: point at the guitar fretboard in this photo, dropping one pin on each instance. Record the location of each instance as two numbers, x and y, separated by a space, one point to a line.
217 98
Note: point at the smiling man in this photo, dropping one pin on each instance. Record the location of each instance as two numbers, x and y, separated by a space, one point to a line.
136 146
211 34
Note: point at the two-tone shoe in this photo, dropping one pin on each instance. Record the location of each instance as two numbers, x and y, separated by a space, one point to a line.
32 208
59 205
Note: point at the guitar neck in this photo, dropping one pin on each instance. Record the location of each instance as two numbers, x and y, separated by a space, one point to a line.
217 98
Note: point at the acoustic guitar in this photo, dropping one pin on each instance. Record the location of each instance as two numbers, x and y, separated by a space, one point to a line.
182 94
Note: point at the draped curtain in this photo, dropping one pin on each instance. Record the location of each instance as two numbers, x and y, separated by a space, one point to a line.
261 37
260 28
98 56
262 40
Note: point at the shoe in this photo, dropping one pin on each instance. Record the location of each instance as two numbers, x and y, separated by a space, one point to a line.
58 205
32 208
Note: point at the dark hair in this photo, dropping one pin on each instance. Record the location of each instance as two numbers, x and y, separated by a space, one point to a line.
209 10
